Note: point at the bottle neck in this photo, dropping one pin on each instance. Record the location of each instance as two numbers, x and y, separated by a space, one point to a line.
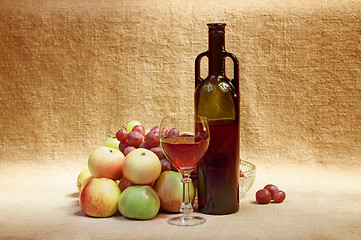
216 49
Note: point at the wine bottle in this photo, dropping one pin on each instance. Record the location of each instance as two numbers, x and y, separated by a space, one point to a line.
217 98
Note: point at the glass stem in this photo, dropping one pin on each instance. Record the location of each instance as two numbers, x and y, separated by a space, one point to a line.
186 207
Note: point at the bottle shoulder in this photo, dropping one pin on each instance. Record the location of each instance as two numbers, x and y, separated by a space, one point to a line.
216 99
216 84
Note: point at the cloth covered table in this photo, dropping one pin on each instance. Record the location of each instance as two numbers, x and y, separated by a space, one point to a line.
321 203
72 73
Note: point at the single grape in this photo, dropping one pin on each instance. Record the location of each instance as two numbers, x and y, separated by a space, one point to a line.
128 150
263 196
135 139
139 128
152 138
158 151
131 124
123 146
173 132
121 135
124 183
279 196
165 131
155 128
144 145
272 188
166 166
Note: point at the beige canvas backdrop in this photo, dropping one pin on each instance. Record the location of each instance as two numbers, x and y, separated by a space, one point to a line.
73 72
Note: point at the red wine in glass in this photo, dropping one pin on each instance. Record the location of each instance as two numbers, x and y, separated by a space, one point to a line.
185 151
184 140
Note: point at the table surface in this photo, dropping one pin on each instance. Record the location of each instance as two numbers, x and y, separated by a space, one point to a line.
41 202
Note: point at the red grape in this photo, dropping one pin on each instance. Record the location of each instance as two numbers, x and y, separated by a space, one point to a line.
144 145
152 138
128 150
158 151
166 166
124 183
279 196
173 132
155 128
139 128
123 146
165 131
122 135
272 188
135 138
263 196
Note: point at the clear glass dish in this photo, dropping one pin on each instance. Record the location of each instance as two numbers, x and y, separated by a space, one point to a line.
246 177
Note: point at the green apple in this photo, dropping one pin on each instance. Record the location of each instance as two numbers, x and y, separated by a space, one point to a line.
131 124
139 202
106 162
170 191
141 166
83 178
112 142
99 198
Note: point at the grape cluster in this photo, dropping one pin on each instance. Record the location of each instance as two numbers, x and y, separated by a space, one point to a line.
137 138
268 193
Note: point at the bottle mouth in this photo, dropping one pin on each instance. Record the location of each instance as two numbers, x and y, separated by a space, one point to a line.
216 27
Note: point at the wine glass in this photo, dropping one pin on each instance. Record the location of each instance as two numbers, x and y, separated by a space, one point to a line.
184 140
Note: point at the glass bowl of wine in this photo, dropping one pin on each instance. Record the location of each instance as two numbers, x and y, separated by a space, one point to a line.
247 175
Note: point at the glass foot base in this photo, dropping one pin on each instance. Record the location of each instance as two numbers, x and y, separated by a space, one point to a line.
186 220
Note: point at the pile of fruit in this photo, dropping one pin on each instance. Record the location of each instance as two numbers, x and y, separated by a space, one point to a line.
130 174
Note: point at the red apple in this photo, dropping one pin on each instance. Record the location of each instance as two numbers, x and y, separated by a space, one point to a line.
170 191
99 198
106 162
141 166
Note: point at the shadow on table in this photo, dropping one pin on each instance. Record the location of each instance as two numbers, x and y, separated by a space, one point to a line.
79 214
73 195
120 217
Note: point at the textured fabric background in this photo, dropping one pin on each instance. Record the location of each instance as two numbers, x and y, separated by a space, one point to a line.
73 72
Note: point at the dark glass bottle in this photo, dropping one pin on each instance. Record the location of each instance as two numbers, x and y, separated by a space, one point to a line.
217 98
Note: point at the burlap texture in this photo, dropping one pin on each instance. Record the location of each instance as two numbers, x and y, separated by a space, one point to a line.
73 72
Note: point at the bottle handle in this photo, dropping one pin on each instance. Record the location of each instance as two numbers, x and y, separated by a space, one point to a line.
235 79
198 68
